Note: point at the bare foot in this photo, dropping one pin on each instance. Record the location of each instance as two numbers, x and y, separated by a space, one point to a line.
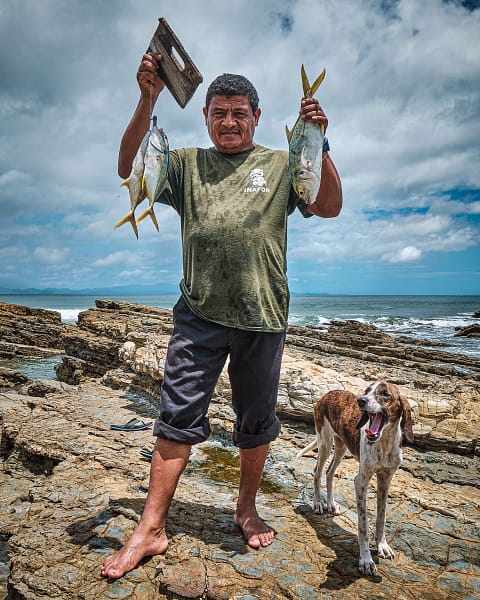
254 530
141 544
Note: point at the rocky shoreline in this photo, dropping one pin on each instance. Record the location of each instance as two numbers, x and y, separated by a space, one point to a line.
72 489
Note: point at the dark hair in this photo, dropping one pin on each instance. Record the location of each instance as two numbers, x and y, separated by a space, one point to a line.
232 85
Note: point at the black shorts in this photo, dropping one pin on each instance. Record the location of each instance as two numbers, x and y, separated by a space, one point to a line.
196 355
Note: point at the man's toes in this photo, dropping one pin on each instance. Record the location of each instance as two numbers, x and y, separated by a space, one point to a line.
267 538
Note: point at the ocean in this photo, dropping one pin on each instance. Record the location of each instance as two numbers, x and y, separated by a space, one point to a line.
430 318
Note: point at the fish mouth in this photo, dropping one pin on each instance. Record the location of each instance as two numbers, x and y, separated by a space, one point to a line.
375 426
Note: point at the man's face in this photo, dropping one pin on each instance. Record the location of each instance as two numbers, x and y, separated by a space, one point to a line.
231 123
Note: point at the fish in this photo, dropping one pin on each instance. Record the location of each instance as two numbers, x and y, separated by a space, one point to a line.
134 183
305 142
155 169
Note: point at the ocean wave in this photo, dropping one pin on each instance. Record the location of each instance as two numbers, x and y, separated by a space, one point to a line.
444 323
314 320
70 315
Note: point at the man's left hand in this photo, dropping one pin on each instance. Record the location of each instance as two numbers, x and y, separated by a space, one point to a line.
310 110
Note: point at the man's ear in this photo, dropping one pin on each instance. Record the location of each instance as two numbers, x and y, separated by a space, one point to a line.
257 114
205 113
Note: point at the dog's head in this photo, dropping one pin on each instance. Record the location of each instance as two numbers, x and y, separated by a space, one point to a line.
381 404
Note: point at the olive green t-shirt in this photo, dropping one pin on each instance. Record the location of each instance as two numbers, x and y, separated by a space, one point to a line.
233 211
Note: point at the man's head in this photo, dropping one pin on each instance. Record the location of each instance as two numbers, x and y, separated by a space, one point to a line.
228 85
231 113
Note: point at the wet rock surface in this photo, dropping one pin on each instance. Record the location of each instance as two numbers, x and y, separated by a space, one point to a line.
72 490
469 331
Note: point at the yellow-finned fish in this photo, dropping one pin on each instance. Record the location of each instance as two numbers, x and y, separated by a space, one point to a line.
134 184
305 142
155 169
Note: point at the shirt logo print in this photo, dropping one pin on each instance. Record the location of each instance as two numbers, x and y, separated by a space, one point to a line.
259 183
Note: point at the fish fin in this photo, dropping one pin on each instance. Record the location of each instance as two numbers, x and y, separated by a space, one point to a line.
316 83
124 183
289 133
305 82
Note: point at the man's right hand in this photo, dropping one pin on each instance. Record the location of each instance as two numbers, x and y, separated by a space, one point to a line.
148 79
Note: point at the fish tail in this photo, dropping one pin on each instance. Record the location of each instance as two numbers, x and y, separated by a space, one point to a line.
128 217
134 226
123 221
309 90
143 215
305 82
153 217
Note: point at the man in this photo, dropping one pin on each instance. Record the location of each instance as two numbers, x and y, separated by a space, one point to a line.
233 200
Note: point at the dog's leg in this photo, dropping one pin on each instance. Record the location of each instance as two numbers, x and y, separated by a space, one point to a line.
365 563
384 479
324 443
339 453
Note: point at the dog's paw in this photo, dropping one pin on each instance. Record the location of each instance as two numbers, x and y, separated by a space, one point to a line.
367 566
334 508
317 505
384 551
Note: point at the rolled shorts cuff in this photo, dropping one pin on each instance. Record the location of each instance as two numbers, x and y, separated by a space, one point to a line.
249 440
182 436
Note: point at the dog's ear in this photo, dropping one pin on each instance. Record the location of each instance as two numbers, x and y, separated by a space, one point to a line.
363 419
406 422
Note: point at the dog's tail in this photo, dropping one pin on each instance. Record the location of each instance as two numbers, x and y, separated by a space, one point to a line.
310 446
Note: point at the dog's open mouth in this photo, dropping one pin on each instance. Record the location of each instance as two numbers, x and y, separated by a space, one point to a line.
375 426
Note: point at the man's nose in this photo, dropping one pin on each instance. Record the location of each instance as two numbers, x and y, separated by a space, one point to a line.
229 119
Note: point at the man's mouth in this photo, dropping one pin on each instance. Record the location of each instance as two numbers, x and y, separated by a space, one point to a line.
375 426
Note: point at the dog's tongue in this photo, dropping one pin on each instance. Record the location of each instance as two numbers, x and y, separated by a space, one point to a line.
375 425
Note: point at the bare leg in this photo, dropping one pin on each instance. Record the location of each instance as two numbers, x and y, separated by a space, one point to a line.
252 462
149 538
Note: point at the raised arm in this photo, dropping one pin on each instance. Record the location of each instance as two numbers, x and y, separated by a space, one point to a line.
150 86
329 197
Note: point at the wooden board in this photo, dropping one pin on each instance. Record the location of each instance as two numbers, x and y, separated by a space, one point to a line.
177 69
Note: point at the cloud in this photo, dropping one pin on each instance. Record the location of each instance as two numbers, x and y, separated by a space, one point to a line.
120 257
51 256
401 93
407 254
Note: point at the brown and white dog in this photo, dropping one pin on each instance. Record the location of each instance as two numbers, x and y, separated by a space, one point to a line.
370 427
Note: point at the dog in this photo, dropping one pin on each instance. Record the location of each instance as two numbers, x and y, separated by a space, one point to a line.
370 427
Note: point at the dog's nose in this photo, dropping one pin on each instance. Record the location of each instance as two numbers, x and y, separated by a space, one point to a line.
362 401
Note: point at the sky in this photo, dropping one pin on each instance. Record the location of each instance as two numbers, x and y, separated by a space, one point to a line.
402 95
